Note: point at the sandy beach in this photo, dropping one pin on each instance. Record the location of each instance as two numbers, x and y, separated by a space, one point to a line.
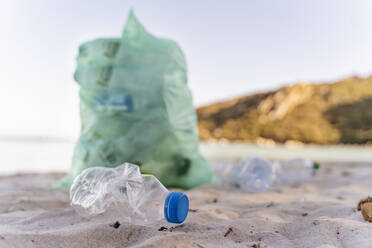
319 213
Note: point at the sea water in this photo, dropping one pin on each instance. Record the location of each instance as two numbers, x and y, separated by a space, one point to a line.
54 155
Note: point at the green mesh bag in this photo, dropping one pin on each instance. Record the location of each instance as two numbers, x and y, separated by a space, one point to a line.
135 107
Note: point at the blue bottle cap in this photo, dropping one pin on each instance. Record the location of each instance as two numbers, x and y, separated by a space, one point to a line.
176 207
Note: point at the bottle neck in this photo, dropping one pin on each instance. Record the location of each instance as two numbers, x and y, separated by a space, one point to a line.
316 166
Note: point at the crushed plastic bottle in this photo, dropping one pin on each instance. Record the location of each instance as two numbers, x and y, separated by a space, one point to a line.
126 193
294 171
252 175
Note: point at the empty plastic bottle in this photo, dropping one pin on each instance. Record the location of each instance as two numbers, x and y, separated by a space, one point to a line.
252 175
294 171
127 194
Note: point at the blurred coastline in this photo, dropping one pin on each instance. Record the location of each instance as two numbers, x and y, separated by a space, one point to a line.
328 122
326 113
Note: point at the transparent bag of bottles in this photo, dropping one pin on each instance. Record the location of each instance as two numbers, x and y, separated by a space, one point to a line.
135 106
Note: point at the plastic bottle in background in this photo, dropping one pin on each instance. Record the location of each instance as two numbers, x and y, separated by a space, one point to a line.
294 171
252 175
127 194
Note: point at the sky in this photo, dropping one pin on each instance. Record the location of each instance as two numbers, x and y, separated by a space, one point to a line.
232 48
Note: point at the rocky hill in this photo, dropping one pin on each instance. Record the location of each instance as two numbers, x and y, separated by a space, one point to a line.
328 113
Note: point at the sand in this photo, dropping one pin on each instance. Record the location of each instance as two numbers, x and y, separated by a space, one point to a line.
319 213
